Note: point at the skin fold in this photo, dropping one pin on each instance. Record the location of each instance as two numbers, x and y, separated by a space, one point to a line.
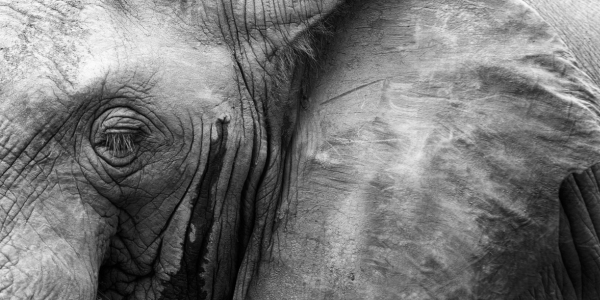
313 149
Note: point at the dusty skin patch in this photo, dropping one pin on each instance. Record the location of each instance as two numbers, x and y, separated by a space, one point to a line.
445 141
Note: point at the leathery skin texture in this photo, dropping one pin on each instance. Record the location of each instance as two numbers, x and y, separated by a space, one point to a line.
312 149
429 159
140 144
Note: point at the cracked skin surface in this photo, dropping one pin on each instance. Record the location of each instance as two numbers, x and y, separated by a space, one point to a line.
169 150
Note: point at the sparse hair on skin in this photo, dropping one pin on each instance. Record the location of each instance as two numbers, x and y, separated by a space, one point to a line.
292 71
306 50
304 47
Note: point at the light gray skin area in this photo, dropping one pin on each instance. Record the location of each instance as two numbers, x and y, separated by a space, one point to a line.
239 150
431 161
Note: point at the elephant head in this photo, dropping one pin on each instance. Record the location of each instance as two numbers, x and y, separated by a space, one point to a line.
245 150
141 142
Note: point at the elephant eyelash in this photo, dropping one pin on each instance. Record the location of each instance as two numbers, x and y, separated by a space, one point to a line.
119 143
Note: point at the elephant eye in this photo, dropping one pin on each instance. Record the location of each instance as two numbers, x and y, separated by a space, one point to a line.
117 135
118 146
120 142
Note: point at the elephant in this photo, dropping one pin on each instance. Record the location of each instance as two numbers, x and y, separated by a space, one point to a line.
310 149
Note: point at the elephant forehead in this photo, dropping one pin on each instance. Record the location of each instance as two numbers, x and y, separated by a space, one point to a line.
53 51
168 61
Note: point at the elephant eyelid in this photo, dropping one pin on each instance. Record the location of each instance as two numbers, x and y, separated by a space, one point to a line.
120 136
121 140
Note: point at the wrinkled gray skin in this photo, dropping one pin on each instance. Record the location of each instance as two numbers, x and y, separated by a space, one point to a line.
137 146
187 150
429 162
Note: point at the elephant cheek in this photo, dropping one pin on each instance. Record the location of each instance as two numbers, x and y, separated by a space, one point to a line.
42 274
50 248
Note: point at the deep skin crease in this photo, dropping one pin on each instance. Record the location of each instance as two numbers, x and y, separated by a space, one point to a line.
139 150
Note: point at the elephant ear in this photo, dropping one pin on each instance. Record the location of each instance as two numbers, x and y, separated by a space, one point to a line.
429 161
